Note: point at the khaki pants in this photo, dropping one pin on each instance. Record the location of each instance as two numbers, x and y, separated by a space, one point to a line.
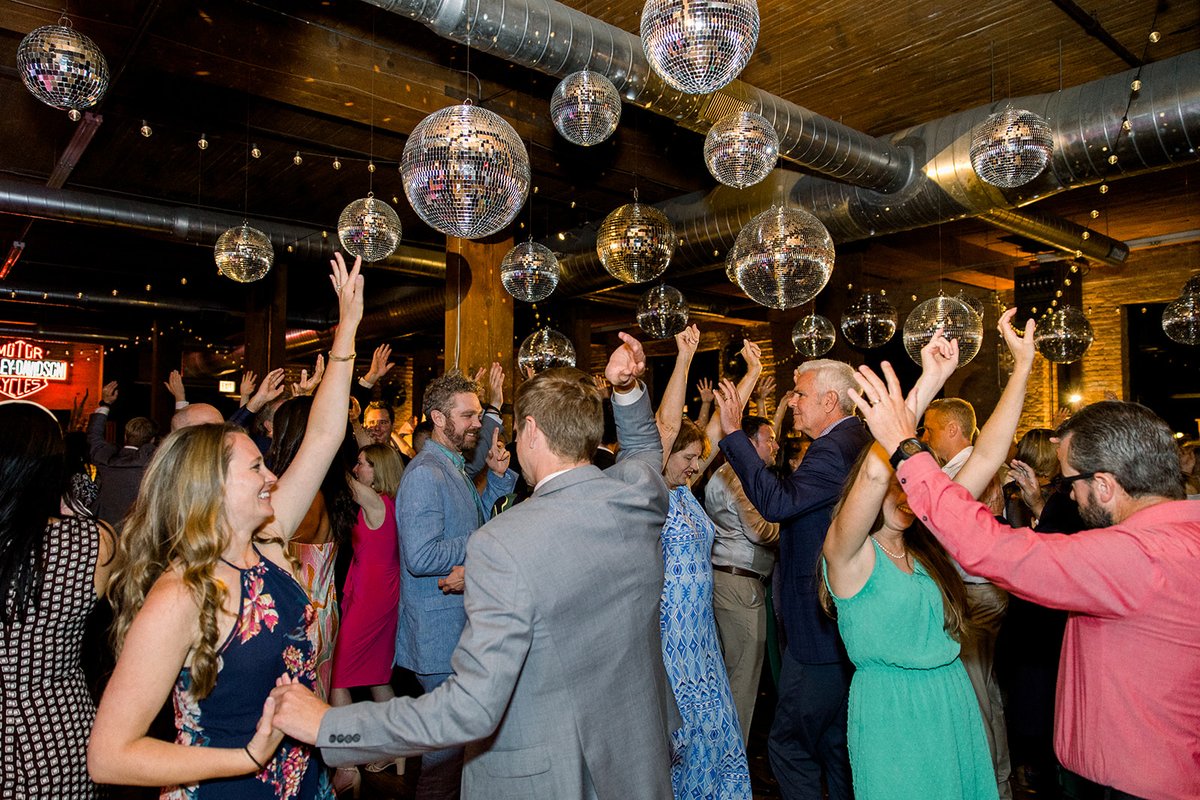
986 605
740 607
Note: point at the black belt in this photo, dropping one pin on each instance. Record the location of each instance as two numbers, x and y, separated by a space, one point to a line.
745 573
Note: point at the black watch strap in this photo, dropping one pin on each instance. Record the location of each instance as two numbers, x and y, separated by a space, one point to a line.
907 449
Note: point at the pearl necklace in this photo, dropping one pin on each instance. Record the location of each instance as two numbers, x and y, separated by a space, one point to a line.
899 557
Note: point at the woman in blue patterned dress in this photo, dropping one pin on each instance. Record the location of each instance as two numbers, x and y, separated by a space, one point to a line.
708 756
208 609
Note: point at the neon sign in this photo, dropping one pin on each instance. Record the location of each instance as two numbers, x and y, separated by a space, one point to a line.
25 370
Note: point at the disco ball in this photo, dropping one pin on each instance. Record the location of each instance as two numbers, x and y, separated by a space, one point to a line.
585 108
662 312
369 228
1181 319
545 348
1011 148
699 46
635 243
1063 335
972 302
1192 286
741 149
465 171
870 321
813 336
954 317
62 68
244 254
529 272
782 258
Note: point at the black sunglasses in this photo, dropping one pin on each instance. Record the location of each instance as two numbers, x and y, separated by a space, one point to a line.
1063 483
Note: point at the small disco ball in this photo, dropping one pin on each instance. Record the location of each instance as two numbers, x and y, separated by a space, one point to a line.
870 321
699 46
244 254
782 258
545 348
529 272
1063 335
465 171
1192 286
369 228
957 321
62 68
1011 147
813 336
635 243
741 149
585 108
662 312
1181 319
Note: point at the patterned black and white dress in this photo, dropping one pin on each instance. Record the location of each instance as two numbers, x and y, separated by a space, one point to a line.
46 713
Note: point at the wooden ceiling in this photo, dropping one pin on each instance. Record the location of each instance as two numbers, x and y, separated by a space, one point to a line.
340 78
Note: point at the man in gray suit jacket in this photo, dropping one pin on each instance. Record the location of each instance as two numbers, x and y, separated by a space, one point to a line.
558 688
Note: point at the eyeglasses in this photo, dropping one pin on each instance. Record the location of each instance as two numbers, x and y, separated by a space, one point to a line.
1063 483
920 431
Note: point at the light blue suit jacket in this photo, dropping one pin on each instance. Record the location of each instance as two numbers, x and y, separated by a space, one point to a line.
435 513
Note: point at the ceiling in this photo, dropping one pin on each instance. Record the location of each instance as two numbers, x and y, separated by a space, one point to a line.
341 78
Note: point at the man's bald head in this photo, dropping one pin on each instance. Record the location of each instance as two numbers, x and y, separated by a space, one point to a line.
196 414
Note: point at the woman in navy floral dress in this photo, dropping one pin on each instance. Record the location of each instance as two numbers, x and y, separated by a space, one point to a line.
208 609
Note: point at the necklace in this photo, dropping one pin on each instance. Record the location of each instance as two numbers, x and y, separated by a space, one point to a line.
898 557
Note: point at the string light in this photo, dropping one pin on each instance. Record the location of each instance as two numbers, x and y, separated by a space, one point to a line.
146 130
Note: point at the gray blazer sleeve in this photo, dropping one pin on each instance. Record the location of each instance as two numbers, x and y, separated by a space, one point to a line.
637 433
471 703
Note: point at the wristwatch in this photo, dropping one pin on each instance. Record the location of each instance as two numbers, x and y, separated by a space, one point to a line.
907 449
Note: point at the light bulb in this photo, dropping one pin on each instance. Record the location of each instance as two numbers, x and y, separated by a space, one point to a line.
146 130
203 142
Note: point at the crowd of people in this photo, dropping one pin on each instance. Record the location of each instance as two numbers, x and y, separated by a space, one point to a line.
586 603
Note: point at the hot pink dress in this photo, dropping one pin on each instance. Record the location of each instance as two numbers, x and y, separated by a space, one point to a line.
366 642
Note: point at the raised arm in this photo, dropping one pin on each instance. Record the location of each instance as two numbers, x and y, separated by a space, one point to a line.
670 410
636 432
752 353
705 388
991 447
846 551
327 420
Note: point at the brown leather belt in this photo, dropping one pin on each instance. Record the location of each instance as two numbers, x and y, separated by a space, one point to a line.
745 573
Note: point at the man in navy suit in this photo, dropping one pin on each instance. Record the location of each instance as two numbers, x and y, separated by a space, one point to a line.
808 737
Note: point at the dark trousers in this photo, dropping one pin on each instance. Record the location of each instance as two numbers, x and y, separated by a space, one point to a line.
808 737
441 770
1077 787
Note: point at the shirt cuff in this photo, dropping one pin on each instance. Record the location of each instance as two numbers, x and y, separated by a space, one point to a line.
630 397
181 404
364 384
102 409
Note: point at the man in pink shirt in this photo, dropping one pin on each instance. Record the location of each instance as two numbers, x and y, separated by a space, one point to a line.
1128 705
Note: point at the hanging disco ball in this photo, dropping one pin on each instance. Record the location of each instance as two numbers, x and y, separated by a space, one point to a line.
954 317
635 243
813 336
465 171
699 46
1063 335
585 108
1192 286
1181 319
782 258
972 302
545 348
369 228
741 149
62 68
244 254
870 321
529 272
662 312
1011 147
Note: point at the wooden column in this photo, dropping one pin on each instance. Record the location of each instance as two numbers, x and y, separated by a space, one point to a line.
479 312
266 322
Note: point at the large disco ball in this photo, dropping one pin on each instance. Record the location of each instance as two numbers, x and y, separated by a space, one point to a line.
741 149
369 228
1181 319
870 321
1011 147
545 348
662 312
957 321
529 272
635 243
62 68
244 254
813 335
585 108
972 302
1192 286
782 258
1063 335
465 171
700 45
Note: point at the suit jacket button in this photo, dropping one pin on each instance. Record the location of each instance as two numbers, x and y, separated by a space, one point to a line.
357 737
332 738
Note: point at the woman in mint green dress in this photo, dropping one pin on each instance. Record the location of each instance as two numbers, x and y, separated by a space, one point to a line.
914 728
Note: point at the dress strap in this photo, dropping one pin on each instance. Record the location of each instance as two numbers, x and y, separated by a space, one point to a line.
252 566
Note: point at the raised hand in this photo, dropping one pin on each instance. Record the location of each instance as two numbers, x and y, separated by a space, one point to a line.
939 359
271 387
687 340
348 286
479 373
1021 347
174 384
498 455
1027 482
381 364
602 385
308 385
729 405
496 385
765 389
246 388
883 407
109 392
626 365
705 387
752 353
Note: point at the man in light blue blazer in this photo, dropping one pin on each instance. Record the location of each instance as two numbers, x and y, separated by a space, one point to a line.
558 689
437 509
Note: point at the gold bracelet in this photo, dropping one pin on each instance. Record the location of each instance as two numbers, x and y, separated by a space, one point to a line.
350 357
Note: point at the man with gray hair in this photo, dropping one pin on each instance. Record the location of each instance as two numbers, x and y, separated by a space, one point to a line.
808 736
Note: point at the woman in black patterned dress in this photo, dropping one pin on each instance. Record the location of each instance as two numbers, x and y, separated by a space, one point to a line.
53 565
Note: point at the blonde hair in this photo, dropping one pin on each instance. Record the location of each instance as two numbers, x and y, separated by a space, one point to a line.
568 409
387 466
